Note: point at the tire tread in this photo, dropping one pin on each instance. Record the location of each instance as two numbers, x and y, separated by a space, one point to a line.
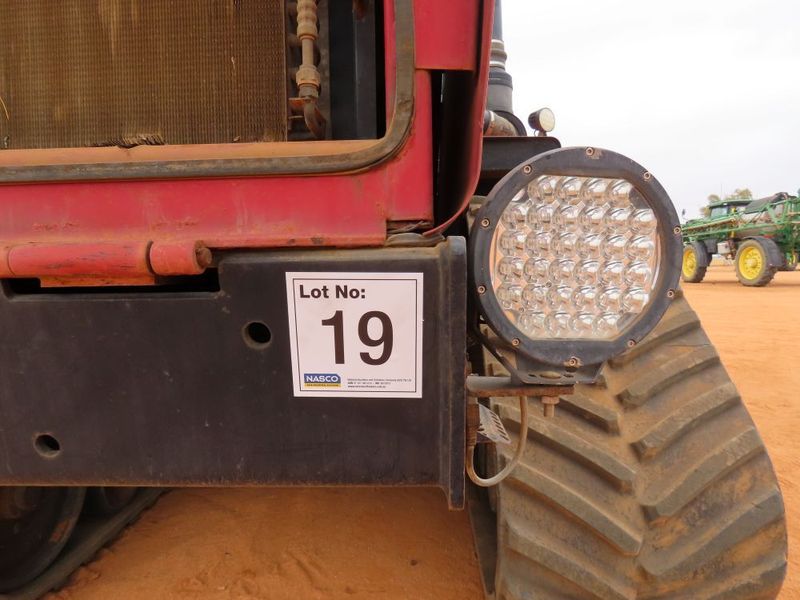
693 509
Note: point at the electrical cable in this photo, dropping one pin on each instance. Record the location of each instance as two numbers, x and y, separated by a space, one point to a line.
511 465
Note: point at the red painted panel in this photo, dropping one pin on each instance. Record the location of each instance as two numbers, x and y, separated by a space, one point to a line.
409 185
446 34
472 150
223 213
84 220
336 210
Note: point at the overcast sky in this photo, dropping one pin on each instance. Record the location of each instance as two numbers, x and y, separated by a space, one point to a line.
704 93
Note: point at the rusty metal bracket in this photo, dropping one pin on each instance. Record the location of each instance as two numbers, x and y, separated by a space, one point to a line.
480 386
483 426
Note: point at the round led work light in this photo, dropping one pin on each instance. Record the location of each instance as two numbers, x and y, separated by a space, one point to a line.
542 120
575 258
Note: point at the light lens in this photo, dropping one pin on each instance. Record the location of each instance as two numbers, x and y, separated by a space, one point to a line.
575 257
542 120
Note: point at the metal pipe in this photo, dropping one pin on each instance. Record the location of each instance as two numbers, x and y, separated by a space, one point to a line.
500 82
307 77
497 24
496 125
501 85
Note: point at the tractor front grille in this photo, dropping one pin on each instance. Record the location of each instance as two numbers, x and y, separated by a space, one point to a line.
81 73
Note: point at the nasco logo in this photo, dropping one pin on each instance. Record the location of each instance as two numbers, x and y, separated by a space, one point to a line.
322 380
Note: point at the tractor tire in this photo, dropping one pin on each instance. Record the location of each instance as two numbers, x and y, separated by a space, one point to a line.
789 265
107 501
695 262
652 483
752 263
34 537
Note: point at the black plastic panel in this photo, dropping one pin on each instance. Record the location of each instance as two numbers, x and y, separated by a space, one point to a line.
162 389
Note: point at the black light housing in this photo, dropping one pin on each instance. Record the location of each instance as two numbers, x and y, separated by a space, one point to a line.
542 120
568 359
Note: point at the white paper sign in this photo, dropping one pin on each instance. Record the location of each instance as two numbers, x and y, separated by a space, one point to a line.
356 334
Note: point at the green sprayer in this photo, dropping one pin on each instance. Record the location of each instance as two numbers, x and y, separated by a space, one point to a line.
761 236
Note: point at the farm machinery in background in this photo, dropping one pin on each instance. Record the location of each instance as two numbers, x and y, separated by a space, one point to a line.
761 237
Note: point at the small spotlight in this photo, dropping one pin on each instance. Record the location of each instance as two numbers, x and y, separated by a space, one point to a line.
543 120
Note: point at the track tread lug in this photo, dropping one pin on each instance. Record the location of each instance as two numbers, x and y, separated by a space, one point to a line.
684 419
656 380
681 490
603 524
593 412
667 330
763 584
746 521
584 574
603 463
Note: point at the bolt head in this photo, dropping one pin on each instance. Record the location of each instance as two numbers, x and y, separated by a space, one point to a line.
515 342
527 169
485 222
481 289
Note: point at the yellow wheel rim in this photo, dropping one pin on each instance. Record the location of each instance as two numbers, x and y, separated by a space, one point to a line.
689 263
751 261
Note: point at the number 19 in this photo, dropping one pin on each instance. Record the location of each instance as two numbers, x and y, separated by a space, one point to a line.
385 339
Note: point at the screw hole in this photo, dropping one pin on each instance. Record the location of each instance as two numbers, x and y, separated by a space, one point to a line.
257 334
46 445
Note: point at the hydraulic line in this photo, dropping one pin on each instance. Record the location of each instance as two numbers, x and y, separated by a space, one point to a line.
307 77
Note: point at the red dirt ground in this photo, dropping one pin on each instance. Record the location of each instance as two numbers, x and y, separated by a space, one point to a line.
392 543
757 333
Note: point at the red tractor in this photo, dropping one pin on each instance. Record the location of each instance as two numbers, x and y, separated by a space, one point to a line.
267 242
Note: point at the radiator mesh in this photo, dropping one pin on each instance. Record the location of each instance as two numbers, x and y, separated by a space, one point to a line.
77 73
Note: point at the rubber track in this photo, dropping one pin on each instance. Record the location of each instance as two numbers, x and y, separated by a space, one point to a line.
90 535
653 485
